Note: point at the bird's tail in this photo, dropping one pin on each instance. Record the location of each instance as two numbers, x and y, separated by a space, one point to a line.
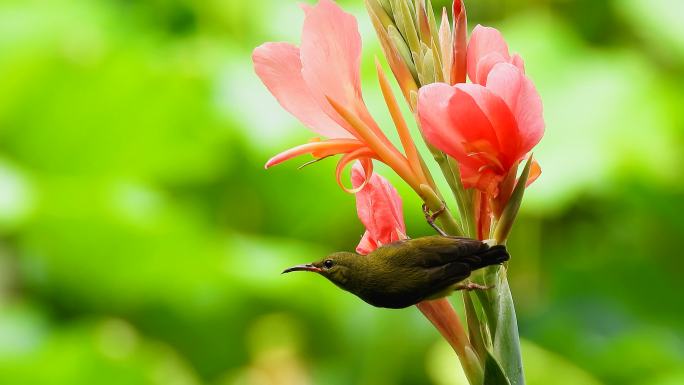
494 255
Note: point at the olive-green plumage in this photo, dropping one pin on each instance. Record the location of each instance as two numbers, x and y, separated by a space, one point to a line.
406 272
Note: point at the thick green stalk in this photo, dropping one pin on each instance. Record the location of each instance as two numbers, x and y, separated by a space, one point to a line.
498 303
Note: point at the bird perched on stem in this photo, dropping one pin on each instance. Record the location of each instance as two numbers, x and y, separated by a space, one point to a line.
403 273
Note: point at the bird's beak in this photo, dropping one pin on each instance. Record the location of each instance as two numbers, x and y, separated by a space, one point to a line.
306 267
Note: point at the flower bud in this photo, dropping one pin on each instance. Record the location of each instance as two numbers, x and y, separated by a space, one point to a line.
458 71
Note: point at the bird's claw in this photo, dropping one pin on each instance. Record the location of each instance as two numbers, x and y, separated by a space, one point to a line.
431 216
470 286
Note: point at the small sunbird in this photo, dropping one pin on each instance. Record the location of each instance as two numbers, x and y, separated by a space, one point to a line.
403 273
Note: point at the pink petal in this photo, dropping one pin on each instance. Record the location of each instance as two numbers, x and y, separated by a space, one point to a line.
519 93
484 41
517 61
485 64
367 245
452 121
279 67
506 138
378 206
331 55
434 115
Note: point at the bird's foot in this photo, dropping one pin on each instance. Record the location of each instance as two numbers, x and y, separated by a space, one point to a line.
431 216
470 286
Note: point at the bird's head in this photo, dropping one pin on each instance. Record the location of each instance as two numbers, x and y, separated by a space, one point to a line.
340 268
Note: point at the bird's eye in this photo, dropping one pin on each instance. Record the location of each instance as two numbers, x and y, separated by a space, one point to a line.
328 263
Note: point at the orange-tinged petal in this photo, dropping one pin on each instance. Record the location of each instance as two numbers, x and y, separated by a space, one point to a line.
279 67
535 172
363 155
519 93
319 149
483 179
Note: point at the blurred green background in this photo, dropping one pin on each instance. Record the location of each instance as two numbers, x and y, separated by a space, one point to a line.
142 240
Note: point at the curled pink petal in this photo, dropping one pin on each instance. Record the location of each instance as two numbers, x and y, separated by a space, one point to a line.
279 67
364 156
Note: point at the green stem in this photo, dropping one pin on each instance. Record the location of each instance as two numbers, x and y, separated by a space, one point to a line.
453 178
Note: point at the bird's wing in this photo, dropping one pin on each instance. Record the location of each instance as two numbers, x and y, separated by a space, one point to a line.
444 276
438 251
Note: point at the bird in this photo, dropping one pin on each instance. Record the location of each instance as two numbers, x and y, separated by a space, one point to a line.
406 272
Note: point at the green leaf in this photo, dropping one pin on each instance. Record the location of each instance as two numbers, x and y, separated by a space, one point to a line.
493 373
506 339
503 228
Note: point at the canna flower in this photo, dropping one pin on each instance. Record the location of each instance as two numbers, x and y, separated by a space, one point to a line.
379 208
487 128
319 83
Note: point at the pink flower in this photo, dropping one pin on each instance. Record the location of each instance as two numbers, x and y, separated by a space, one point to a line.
379 208
327 64
319 84
487 129
486 49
